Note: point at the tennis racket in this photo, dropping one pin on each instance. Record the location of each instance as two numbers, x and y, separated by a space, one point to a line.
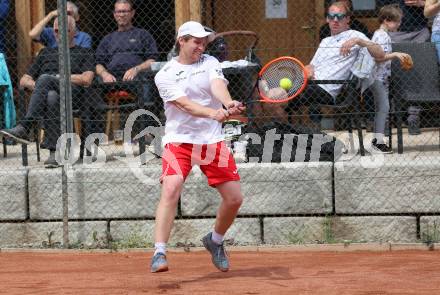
280 80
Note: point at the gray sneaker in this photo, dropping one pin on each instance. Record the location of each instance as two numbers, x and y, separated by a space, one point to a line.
218 253
51 162
19 133
159 263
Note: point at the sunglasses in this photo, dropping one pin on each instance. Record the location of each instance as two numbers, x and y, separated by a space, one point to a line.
336 16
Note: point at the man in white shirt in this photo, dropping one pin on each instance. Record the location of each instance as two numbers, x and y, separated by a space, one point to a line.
334 58
194 92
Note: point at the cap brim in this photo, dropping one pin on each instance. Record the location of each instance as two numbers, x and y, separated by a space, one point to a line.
210 35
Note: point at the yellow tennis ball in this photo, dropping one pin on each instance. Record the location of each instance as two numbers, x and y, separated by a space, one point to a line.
286 83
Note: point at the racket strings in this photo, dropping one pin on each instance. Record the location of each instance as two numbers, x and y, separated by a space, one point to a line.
284 68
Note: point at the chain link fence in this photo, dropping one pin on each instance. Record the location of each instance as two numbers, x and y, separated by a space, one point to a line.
314 170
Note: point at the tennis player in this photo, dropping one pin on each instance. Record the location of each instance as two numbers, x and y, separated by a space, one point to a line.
196 101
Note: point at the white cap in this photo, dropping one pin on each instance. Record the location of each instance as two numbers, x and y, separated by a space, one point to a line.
194 29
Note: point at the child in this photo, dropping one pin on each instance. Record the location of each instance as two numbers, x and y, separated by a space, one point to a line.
389 18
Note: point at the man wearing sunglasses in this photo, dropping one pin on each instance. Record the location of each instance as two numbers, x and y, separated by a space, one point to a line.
333 60
356 25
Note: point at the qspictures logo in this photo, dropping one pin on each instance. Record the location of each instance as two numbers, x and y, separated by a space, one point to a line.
68 144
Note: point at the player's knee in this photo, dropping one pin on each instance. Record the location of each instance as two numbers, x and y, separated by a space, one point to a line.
171 188
235 201
170 200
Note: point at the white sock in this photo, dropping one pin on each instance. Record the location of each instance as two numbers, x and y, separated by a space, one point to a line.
160 248
217 238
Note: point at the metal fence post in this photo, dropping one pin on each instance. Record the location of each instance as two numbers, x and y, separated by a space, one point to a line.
65 105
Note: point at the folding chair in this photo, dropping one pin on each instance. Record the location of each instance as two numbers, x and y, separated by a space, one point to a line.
347 107
416 87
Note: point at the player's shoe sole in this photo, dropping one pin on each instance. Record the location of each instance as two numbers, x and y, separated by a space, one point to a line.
159 263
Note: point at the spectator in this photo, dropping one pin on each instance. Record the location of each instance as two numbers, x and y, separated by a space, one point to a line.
4 10
45 35
414 28
127 52
432 9
356 25
42 79
389 17
334 58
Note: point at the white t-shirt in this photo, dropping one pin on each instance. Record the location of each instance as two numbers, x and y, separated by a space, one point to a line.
328 62
176 80
382 71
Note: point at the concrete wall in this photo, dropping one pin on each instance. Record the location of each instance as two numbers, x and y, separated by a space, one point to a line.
291 203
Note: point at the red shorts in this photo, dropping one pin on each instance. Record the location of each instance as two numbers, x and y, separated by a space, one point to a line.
215 161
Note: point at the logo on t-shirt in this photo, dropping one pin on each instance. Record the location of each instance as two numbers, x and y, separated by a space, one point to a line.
132 40
180 77
219 72
165 93
197 72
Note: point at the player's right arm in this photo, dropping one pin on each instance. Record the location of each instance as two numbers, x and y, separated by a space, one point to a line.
197 110
170 92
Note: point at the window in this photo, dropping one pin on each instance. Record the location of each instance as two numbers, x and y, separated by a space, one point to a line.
364 7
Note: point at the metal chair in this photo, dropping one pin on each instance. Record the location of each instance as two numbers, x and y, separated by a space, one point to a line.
126 97
22 102
347 107
37 131
417 87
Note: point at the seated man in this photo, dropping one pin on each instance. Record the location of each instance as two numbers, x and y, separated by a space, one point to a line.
42 79
124 54
45 35
333 59
324 30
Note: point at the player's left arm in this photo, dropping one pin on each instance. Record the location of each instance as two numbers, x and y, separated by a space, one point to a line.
220 91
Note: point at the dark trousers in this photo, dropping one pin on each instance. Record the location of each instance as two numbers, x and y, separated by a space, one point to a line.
141 85
312 97
44 106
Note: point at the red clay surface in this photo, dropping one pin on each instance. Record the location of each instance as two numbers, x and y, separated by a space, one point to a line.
366 273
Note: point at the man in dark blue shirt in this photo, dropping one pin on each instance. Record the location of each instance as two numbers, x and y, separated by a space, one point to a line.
45 35
124 54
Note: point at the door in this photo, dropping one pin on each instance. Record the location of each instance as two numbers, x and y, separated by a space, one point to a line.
294 35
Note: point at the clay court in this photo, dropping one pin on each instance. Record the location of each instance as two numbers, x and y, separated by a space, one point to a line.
280 272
